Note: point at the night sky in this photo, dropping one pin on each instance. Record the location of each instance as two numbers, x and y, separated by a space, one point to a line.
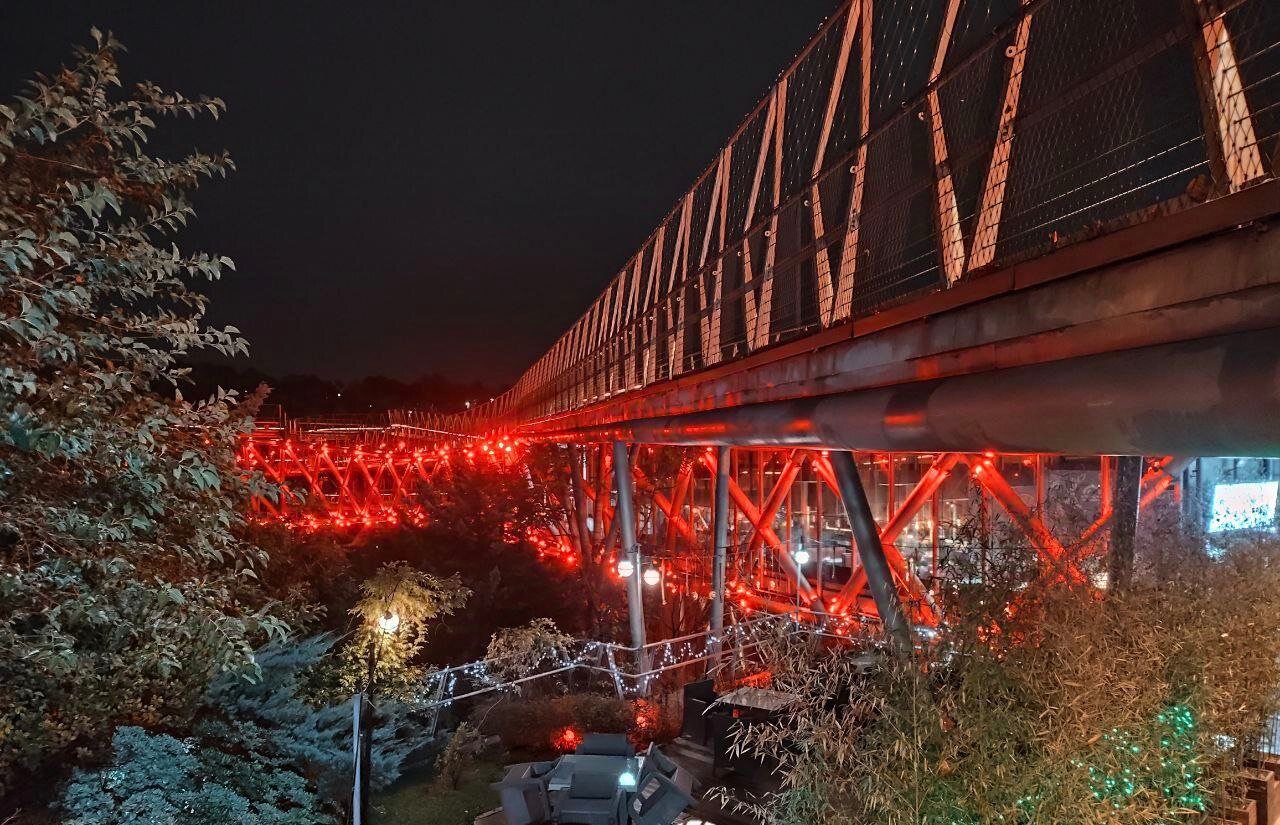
433 186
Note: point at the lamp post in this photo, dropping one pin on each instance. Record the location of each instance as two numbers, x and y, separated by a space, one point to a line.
388 624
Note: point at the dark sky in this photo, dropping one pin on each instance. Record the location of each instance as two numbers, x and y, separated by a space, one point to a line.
433 186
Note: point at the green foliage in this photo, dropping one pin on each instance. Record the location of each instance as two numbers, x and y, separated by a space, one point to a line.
270 717
411 599
515 652
532 724
1043 702
457 755
124 584
157 778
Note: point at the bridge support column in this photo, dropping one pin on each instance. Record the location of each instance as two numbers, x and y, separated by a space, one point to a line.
578 525
1128 480
720 546
625 517
866 537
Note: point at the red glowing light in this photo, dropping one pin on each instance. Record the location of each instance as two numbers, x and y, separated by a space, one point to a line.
566 739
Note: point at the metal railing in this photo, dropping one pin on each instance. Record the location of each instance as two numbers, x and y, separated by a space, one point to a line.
627 671
915 145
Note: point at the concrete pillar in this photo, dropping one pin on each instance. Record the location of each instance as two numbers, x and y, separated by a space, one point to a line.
866 537
625 517
1128 479
719 551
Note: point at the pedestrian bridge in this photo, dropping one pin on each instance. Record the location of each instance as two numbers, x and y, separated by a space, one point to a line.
960 225
962 256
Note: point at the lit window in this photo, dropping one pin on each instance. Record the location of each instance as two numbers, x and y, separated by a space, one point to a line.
1249 505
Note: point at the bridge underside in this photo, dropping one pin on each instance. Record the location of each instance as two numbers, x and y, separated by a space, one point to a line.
1159 339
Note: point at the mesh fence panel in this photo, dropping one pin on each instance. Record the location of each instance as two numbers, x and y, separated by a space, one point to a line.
1051 121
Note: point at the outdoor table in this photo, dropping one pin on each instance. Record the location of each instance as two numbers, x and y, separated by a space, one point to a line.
561 775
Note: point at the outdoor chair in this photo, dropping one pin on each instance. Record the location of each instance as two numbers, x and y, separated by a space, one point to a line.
593 798
523 793
655 761
605 744
659 801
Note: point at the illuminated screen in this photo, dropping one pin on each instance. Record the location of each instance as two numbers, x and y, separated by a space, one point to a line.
1249 505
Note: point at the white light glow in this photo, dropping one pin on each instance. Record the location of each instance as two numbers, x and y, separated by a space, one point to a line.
627 780
652 577
389 623
626 568
802 557
1247 505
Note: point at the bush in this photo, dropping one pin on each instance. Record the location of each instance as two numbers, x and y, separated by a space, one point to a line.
157 778
534 724
1044 702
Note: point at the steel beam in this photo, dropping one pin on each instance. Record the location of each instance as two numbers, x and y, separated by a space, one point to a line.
871 552
1211 396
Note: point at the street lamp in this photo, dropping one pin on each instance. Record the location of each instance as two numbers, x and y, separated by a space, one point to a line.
626 568
388 623
652 576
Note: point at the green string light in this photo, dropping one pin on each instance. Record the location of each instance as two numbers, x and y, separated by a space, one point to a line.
1175 775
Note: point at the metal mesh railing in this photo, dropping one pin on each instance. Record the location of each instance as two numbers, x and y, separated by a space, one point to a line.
913 145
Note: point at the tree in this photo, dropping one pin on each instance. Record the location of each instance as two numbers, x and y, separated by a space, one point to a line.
391 622
273 717
478 501
124 585
516 652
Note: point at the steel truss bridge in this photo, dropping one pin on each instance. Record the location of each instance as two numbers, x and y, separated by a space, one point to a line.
961 251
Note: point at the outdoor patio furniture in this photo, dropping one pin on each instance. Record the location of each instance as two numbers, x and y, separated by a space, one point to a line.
658 801
655 761
523 793
593 798
605 744
698 696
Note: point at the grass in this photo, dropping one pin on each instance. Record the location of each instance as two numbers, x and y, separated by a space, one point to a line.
413 801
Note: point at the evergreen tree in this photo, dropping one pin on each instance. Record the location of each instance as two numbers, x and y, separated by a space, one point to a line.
271 717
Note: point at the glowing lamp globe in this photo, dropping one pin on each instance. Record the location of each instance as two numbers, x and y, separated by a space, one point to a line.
626 568
652 576
802 557
389 623
627 780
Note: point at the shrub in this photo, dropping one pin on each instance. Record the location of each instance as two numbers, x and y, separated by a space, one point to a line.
157 778
457 755
1043 703
533 724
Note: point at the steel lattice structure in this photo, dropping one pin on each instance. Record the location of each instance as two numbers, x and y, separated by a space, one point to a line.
958 243
915 145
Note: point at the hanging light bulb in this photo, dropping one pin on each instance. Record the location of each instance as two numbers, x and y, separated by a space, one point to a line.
802 556
652 576
626 568
389 623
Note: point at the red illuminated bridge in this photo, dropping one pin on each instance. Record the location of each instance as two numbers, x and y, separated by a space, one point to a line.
973 258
